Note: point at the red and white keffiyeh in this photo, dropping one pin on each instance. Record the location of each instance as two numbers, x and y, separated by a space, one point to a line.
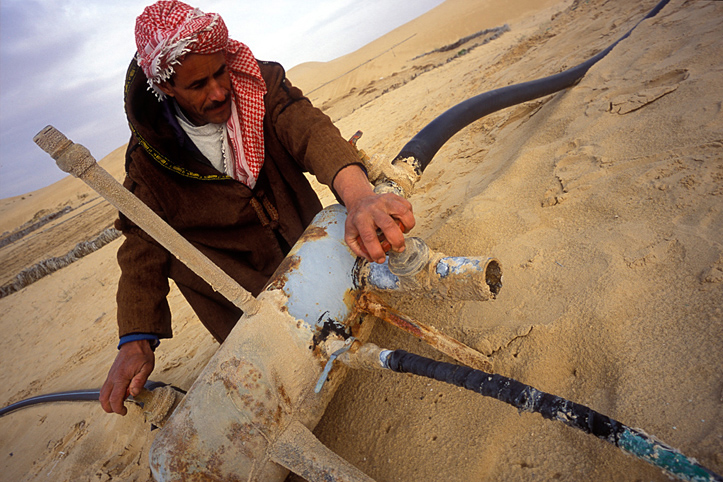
168 30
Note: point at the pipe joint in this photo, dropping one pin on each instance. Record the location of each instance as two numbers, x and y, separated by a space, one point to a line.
398 176
367 356
420 271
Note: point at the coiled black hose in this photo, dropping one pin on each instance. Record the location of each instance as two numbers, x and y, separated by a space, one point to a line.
529 399
425 145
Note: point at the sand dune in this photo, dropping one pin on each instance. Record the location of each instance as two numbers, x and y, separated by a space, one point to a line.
603 202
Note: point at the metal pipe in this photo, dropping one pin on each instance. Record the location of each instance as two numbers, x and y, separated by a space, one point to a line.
260 383
426 273
293 450
77 160
372 304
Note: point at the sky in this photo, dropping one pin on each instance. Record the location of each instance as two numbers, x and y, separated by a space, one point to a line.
62 62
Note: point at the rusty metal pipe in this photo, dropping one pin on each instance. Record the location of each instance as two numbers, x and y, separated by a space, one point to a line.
420 271
374 305
233 423
77 160
292 451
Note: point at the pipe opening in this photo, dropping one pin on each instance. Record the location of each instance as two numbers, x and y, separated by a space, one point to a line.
493 276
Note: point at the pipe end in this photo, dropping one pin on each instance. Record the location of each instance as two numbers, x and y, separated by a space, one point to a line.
493 276
52 141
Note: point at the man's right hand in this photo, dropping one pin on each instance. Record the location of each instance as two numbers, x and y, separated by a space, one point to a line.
130 371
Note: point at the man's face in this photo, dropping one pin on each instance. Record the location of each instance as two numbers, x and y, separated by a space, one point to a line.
202 87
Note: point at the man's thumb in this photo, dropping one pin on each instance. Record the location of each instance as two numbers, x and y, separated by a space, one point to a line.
137 384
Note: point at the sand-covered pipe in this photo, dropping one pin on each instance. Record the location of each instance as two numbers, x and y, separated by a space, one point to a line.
292 451
372 304
420 271
77 160
251 400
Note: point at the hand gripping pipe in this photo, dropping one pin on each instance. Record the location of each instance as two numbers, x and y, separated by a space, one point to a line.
529 399
154 391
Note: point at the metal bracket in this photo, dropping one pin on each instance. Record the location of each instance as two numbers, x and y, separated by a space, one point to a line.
330 364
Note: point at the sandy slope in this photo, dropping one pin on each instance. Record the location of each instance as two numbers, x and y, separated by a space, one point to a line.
604 204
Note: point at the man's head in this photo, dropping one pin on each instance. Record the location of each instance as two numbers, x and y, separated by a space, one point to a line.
187 54
168 33
202 87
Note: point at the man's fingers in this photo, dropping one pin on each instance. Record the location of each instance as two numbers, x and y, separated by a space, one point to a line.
131 368
105 392
355 244
117 397
370 241
392 233
376 223
139 381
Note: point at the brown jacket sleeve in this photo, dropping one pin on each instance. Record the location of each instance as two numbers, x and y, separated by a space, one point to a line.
143 284
309 134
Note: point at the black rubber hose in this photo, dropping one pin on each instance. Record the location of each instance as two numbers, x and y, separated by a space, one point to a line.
69 396
425 145
529 399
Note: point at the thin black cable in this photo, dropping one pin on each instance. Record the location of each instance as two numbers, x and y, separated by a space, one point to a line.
69 396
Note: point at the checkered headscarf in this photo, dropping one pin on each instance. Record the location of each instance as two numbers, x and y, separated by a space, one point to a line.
168 30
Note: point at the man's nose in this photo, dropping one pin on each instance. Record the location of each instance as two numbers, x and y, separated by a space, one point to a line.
218 92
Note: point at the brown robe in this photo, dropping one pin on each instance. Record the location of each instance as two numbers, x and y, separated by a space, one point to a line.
246 232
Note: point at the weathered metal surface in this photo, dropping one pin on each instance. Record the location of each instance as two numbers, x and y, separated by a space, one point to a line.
469 278
261 381
319 279
442 277
292 451
372 304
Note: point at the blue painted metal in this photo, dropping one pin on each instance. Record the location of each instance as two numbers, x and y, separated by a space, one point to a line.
380 277
454 278
458 265
319 286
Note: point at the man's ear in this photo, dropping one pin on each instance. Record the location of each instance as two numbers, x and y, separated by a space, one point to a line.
167 89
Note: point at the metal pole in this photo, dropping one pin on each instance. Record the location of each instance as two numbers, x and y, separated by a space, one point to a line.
372 304
77 160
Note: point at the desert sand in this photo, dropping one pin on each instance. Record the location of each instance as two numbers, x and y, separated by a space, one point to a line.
603 202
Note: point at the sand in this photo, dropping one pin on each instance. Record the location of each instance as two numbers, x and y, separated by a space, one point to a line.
603 203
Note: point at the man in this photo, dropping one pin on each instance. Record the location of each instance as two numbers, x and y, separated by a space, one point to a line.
218 148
